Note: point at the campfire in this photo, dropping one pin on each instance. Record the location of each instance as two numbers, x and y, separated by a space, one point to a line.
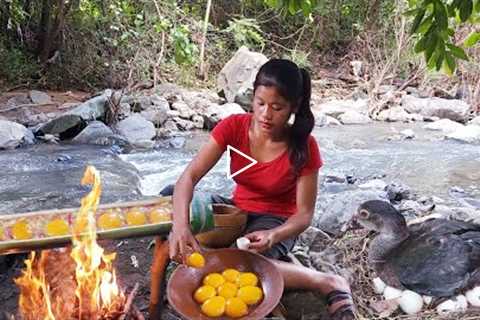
77 283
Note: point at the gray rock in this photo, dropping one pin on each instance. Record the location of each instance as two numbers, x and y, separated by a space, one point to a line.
13 135
322 120
93 132
111 140
18 100
407 134
92 109
453 109
335 108
173 113
184 125
67 126
39 97
468 134
237 76
170 125
374 184
220 112
169 91
136 129
184 110
141 103
199 101
157 114
353 117
397 113
125 111
160 101
383 89
398 192
444 125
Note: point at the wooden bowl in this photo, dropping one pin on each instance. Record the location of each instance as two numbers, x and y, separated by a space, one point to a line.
185 280
230 222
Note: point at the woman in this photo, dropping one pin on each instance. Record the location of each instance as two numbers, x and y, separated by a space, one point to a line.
279 192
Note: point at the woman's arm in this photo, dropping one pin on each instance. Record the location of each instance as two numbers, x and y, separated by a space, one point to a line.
297 223
181 236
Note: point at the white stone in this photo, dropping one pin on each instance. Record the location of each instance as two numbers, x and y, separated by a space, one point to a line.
335 108
12 134
397 113
453 109
444 125
408 133
374 184
354 117
136 129
468 134
473 296
410 302
391 293
378 285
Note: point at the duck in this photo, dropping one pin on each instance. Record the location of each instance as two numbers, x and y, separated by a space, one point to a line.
436 257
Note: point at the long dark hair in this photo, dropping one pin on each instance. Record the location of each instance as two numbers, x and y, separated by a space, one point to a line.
294 84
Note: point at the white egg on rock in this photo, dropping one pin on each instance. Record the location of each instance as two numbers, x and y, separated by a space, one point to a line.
378 285
391 293
473 296
410 302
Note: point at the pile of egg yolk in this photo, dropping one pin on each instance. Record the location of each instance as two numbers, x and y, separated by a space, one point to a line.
228 294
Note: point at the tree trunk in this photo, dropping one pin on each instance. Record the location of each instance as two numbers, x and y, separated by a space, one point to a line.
4 15
44 26
372 14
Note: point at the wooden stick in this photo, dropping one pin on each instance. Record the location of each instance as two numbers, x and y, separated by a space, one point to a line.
159 265
128 303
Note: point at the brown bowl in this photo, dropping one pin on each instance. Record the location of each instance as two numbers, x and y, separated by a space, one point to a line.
185 280
230 222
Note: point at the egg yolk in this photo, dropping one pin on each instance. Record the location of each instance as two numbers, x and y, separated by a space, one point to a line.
2 233
21 230
247 279
136 218
204 293
250 294
235 308
109 220
214 307
57 227
214 279
196 260
158 215
231 275
227 290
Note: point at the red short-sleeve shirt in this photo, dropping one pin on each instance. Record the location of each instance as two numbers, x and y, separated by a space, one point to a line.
267 187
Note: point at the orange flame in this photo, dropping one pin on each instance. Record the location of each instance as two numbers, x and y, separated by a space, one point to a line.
97 293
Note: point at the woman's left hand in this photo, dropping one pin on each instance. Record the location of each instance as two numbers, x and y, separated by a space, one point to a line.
261 240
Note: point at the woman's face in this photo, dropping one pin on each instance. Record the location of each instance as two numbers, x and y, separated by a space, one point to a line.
271 111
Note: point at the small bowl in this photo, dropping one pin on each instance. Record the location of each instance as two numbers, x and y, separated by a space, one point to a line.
185 280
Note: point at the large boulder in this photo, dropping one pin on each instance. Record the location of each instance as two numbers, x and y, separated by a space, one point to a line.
92 109
220 112
453 109
184 111
136 129
354 117
236 78
157 114
39 97
468 134
93 132
66 126
335 108
13 135
399 114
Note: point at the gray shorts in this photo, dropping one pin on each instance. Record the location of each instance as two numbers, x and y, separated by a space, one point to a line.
255 222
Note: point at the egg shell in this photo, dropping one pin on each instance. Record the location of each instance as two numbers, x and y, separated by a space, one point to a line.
446 307
427 299
243 243
410 302
461 303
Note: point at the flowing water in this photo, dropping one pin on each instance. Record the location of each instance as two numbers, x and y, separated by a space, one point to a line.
48 176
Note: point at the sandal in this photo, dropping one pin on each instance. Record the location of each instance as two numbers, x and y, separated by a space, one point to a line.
345 311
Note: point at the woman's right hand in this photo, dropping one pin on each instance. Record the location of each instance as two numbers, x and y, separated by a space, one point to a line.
182 243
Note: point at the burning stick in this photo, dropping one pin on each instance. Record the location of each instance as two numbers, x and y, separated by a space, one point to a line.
129 302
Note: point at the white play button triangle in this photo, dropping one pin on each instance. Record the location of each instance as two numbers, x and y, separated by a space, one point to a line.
229 160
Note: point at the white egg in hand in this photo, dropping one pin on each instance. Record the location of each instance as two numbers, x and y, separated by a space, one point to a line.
378 285
410 302
391 293
473 296
243 243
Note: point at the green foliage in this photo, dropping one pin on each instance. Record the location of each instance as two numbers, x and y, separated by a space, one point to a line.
434 22
246 32
294 6
185 52
17 66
